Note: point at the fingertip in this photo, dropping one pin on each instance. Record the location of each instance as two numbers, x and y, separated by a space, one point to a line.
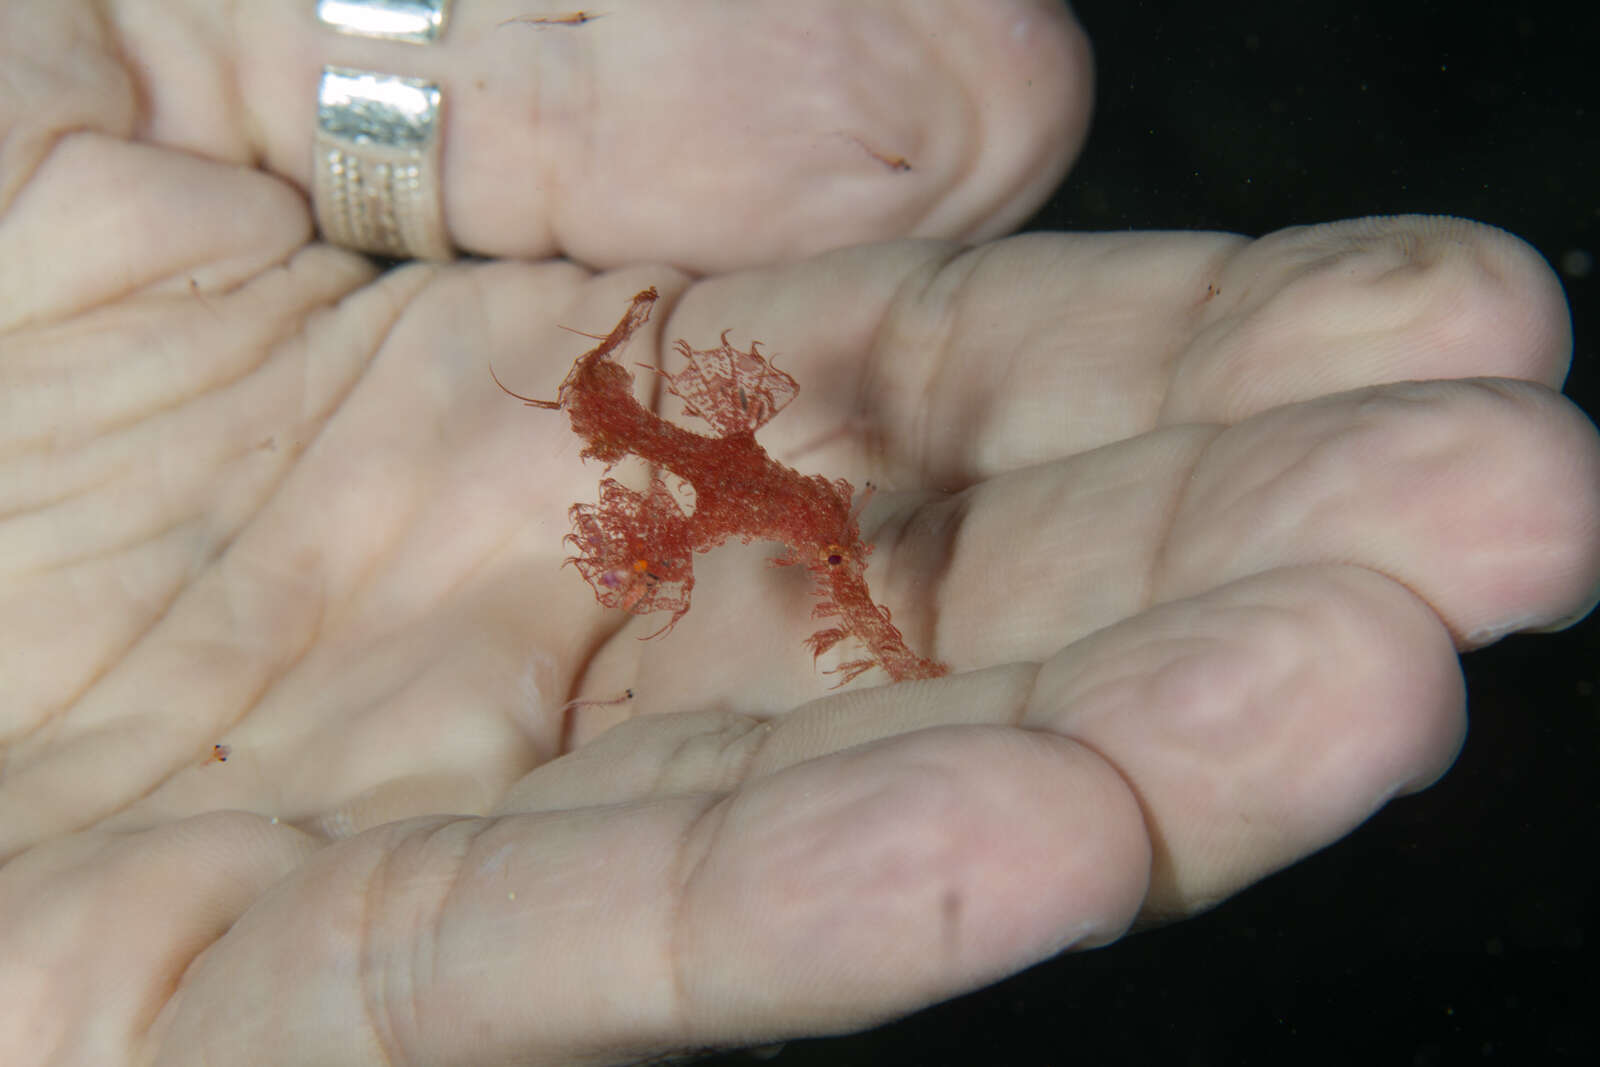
1029 67
1375 300
856 887
1551 528
1261 720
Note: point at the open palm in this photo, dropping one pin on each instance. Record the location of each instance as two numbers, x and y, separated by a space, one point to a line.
1199 524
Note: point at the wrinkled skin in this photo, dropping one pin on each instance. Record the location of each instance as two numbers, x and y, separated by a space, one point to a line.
1201 563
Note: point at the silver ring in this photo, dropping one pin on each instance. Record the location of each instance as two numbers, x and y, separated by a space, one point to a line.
416 21
376 171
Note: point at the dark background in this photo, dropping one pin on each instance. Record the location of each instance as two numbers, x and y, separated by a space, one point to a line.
1457 926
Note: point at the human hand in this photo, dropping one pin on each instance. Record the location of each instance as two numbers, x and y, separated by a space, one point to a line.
363 599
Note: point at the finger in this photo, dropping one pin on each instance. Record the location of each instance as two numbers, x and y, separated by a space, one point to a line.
97 929
1256 723
927 365
822 898
1369 301
1483 501
1481 497
1262 720
693 134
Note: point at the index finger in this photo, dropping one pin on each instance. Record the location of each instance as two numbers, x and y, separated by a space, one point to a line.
932 365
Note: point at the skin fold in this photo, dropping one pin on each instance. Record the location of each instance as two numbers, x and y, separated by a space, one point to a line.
1199 523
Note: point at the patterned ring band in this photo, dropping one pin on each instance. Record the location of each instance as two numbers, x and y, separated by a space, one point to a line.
376 165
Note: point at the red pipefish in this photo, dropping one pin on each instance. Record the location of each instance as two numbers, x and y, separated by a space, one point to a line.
636 549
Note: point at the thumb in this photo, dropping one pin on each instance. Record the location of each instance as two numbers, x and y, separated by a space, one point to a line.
694 133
